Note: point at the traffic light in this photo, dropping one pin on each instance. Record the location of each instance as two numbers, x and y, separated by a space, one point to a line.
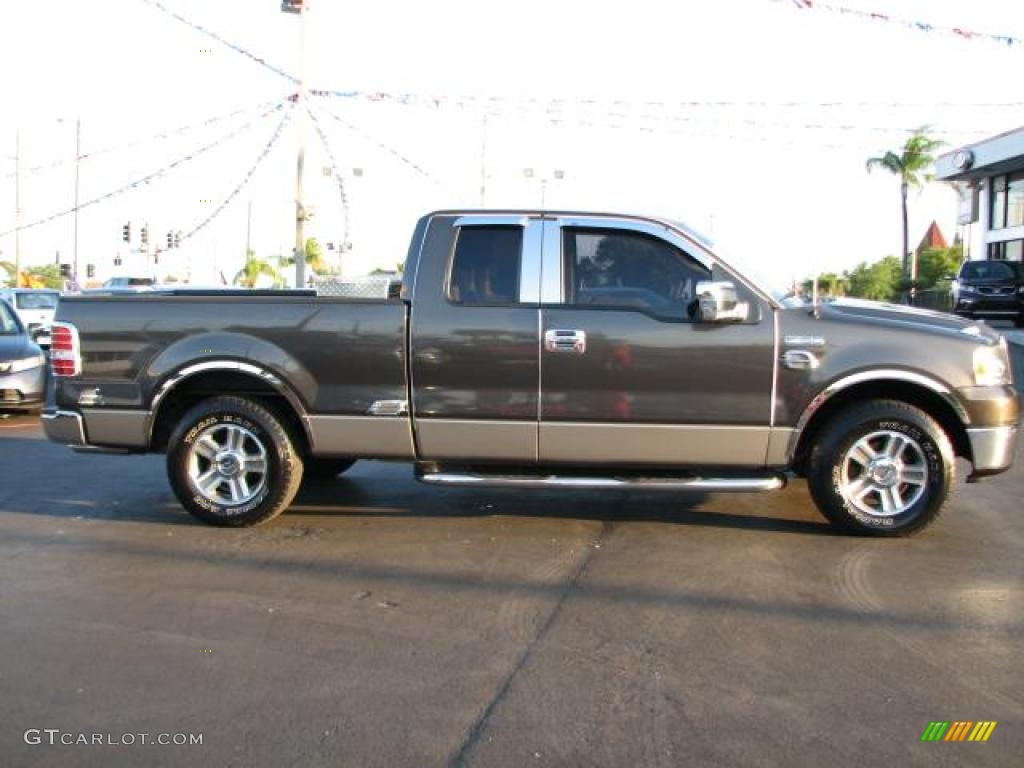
177 239
170 240
126 232
117 260
144 235
90 270
65 271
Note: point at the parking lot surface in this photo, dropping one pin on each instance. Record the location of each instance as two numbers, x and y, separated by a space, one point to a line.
381 622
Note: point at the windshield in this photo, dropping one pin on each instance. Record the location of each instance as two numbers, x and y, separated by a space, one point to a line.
39 300
8 323
991 270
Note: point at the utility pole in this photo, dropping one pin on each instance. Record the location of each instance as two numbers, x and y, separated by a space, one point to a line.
300 163
483 160
78 160
17 207
248 231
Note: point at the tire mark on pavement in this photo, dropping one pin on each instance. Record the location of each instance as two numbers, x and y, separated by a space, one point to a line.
476 730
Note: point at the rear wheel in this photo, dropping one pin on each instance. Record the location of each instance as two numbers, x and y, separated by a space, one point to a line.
883 468
231 462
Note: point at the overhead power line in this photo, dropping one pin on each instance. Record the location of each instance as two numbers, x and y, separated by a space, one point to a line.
222 40
339 181
386 148
961 32
150 176
132 144
245 179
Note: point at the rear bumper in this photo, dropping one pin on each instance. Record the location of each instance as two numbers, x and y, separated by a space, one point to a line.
992 448
64 427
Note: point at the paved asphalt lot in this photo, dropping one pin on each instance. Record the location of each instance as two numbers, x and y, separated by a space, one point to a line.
384 623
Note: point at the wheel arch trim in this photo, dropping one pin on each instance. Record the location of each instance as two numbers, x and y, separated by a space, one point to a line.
173 380
874 376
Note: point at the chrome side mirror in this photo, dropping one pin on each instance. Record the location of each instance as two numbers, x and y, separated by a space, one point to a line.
718 303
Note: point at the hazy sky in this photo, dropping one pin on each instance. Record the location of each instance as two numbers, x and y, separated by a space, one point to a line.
779 186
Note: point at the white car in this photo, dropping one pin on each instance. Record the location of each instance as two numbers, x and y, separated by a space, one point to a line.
35 308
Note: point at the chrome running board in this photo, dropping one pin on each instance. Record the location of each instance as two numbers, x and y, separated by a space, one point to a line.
705 484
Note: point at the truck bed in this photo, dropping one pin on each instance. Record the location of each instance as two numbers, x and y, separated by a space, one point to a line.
340 355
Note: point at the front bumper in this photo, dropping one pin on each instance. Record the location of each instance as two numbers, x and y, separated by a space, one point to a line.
64 427
992 449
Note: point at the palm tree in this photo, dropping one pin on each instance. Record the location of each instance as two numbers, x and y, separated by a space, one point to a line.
251 271
910 164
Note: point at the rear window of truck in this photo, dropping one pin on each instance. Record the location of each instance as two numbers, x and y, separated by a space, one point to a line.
485 267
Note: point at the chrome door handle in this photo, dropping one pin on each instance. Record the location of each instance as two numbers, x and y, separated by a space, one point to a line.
565 341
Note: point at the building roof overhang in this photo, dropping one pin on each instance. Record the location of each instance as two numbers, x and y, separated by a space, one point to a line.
999 154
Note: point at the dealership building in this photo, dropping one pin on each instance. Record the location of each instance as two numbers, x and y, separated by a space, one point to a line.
989 177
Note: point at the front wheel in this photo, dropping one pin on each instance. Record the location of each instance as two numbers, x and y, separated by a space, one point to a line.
882 468
231 462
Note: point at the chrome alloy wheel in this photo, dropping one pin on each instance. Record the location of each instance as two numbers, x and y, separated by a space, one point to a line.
228 465
884 473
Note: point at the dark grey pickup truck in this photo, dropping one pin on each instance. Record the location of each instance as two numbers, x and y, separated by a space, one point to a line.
540 350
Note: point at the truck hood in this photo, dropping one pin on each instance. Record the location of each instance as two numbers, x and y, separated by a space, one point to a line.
901 316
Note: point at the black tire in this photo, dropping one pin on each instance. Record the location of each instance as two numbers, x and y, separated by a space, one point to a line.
833 468
264 438
322 470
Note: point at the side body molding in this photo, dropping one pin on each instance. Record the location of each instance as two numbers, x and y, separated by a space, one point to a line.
881 374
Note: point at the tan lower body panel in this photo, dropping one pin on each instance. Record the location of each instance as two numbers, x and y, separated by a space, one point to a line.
472 439
365 436
108 426
679 444
779 446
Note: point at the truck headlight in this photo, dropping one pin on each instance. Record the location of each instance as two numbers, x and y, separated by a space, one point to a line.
991 365
27 363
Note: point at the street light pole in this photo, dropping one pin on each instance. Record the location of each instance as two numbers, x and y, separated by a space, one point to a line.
300 164
78 161
17 207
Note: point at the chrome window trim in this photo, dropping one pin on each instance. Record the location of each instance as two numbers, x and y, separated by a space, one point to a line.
552 288
500 220
530 262
882 374
691 248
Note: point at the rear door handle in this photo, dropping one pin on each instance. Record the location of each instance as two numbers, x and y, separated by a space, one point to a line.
565 341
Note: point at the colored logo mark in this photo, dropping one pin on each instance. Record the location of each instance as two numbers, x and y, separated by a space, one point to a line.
959 730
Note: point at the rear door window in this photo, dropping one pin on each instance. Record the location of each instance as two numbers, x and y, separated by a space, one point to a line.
485 266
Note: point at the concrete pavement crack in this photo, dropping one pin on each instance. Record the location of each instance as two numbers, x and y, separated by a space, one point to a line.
476 730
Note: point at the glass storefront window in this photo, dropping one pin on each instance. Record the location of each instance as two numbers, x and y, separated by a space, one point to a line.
1011 250
998 212
1015 200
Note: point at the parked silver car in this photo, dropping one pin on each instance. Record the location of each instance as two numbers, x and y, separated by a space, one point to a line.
22 364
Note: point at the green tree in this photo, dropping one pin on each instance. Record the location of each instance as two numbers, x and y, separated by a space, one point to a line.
878 281
48 275
253 269
934 264
909 164
8 267
315 256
